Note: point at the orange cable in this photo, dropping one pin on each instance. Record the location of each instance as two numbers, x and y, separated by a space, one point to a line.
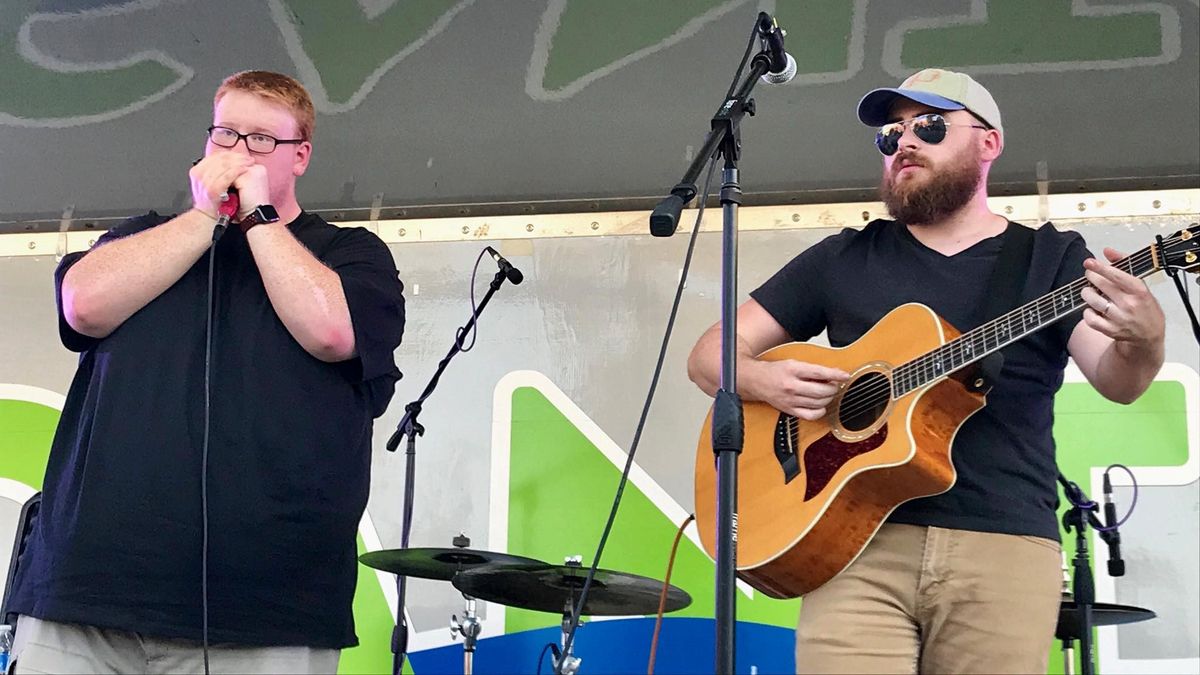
662 598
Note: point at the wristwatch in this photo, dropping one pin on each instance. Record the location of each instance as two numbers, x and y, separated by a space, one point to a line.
263 213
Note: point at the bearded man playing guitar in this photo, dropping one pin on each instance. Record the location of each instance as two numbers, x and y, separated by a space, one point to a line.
967 579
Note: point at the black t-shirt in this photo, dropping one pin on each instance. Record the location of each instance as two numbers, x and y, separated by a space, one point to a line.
1004 454
118 542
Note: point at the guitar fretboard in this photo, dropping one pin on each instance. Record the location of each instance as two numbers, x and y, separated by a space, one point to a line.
1003 331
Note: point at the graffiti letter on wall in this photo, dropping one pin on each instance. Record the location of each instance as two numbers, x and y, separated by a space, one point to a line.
341 67
37 89
826 38
1040 36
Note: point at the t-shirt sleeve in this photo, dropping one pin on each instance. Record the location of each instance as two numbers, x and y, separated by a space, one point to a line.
795 295
72 339
375 297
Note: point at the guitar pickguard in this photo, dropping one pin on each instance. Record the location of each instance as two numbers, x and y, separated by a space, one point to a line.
827 454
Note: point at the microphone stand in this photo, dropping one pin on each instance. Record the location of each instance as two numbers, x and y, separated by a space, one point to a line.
728 424
1081 513
410 428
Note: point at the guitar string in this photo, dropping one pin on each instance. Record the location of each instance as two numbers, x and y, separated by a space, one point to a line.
861 399
962 348
917 372
931 364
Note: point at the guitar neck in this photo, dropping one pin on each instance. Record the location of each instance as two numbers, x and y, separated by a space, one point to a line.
997 334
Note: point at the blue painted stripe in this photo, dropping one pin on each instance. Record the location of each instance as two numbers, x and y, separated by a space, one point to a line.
623 646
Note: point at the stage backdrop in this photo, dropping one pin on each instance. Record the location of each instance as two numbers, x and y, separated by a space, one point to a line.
527 433
446 107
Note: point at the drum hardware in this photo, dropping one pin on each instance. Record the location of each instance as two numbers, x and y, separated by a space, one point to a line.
1079 612
444 564
469 627
556 588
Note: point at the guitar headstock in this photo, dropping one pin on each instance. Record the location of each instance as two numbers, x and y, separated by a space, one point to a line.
1181 250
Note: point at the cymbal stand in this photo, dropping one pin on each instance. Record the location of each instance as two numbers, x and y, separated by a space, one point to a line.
566 656
469 627
565 662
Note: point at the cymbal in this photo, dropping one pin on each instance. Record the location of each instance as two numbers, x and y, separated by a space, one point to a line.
1103 614
438 563
555 588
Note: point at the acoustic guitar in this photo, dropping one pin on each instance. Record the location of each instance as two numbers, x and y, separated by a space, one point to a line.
811 495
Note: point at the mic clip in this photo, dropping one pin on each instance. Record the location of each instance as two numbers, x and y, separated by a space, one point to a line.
511 273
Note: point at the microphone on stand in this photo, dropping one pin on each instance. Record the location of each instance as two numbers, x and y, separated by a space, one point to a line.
783 66
1112 536
513 274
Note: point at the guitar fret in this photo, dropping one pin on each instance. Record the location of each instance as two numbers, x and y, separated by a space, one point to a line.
1062 303
1033 316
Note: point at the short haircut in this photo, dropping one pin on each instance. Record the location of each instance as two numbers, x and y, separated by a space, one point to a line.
278 88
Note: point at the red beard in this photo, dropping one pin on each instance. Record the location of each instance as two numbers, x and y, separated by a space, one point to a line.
928 198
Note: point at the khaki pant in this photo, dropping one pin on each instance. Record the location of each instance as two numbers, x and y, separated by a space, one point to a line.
933 600
50 647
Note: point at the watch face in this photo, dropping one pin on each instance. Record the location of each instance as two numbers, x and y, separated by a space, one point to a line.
267 214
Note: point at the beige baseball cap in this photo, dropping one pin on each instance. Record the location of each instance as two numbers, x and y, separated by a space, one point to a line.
934 87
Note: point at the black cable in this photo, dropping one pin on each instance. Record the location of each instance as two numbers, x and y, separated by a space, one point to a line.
208 337
549 646
474 310
742 65
1132 503
637 434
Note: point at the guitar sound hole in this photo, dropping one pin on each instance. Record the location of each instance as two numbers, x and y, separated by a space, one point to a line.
865 401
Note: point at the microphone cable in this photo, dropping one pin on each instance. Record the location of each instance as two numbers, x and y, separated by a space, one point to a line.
1108 488
460 334
666 587
223 217
577 610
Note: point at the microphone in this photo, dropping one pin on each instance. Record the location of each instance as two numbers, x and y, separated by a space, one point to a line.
226 211
513 274
783 66
1112 537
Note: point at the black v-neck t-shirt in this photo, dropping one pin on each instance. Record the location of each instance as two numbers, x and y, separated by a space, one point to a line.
118 541
1003 454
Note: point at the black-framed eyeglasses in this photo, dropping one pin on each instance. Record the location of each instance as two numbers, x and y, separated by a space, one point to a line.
930 128
260 144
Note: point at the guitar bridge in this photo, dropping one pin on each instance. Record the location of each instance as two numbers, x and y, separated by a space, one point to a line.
787 439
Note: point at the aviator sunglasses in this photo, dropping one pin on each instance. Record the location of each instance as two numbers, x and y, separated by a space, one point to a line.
930 128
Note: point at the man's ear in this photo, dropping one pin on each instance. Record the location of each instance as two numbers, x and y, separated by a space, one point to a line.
301 158
993 145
